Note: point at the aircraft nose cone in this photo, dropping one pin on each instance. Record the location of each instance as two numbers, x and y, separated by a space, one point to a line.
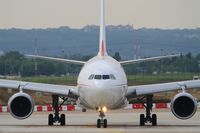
100 85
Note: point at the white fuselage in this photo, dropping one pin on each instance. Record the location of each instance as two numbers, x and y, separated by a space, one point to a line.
102 82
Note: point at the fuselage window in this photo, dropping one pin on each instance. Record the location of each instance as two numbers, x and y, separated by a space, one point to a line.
97 77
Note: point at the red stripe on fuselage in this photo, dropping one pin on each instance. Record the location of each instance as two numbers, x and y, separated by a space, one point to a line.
102 50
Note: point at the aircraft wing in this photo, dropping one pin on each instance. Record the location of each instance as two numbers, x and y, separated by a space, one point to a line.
147 59
56 59
62 90
135 91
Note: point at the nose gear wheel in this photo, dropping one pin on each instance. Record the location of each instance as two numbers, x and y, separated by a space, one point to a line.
101 122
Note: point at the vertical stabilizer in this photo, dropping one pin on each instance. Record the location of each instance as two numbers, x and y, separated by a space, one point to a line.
102 39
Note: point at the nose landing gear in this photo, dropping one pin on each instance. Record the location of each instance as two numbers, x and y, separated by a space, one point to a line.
102 122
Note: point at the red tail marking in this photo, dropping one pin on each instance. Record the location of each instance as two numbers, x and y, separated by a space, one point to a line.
102 51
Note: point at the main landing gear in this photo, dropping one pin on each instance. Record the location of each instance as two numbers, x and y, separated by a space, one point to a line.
56 117
148 118
102 122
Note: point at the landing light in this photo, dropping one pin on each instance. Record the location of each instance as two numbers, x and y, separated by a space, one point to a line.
104 109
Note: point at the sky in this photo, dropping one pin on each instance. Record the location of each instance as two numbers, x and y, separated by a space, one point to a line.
166 14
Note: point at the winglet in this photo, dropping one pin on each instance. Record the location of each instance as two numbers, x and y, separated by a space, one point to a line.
102 39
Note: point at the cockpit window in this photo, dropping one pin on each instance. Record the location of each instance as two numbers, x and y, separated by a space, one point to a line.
97 77
91 77
100 77
106 77
112 77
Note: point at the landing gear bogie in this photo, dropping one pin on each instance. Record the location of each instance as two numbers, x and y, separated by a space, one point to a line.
148 118
56 117
152 119
52 119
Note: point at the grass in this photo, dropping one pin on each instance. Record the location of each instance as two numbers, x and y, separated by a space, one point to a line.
132 79
70 80
160 78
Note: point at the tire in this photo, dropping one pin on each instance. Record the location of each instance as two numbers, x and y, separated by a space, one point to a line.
50 120
105 123
98 123
84 110
62 119
154 120
142 119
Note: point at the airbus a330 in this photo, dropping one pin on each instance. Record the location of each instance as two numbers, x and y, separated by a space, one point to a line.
102 85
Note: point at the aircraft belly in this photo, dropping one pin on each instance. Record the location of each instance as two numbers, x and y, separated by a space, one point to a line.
94 98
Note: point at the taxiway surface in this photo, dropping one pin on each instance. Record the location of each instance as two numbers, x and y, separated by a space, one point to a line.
122 121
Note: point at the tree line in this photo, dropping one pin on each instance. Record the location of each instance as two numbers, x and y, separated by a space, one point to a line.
14 63
182 64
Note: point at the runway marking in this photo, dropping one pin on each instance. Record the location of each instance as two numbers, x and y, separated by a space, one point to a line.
122 121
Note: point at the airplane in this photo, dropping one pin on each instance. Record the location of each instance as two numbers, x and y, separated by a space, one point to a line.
102 85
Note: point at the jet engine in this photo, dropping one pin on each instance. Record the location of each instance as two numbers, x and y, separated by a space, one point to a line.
183 105
21 105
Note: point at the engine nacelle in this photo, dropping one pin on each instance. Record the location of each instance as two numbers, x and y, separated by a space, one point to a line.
21 105
184 105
